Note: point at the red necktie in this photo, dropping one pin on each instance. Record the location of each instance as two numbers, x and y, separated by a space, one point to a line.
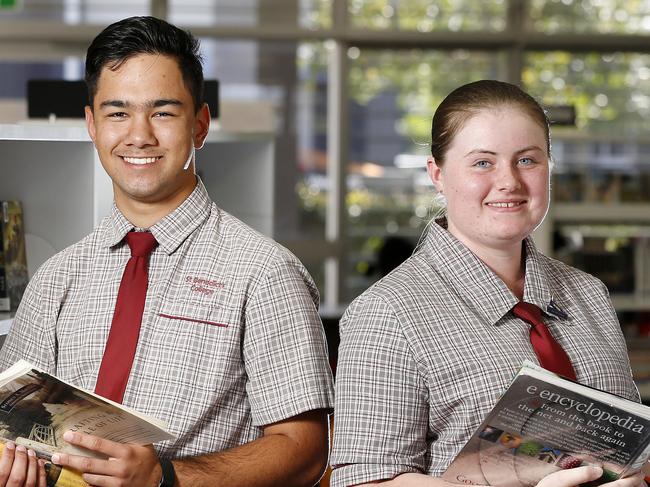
123 338
549 352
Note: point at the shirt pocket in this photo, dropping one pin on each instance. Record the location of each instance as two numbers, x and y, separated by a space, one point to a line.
202 343
195 320
198 313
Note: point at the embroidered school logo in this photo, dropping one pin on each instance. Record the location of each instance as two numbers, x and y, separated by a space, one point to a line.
202 286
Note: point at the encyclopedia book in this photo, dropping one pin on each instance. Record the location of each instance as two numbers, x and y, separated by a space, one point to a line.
544 423
36 409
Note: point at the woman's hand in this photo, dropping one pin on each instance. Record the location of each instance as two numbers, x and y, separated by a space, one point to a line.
575 476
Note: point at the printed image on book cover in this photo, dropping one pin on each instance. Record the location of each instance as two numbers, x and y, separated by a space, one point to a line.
36 409
538 428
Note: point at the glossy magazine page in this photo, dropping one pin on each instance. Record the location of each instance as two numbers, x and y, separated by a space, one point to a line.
544 423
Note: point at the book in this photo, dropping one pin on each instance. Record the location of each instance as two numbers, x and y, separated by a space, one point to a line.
15 255
543 423
36 409
5 305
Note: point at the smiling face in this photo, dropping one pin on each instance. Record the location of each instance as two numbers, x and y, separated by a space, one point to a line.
495 178
144 127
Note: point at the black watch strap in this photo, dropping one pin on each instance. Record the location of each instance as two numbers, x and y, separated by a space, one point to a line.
168 474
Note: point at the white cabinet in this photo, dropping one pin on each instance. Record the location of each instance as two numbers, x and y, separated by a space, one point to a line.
54 170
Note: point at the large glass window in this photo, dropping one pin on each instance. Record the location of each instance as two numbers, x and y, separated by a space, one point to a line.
77 11
427 16
308 14
280 88
583 16
610 91
604 157
393 95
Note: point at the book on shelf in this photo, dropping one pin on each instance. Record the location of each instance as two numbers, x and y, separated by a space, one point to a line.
544 423
5 305
36 409
15 255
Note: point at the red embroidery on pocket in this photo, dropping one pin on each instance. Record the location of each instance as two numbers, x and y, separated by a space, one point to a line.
214 323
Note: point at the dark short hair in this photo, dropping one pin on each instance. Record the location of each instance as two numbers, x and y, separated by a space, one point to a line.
145 35
466 101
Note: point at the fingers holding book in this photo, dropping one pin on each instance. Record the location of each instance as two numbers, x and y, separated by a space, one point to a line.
127 463
636 480
582 475
19 467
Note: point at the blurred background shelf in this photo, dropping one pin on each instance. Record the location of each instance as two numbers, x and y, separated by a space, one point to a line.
54 170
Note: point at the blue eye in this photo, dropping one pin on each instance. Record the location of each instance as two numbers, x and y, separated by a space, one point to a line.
526 161
482 164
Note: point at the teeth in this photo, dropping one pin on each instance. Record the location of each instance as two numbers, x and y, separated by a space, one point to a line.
140 160
504 205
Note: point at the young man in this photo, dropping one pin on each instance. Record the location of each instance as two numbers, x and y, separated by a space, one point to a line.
230 349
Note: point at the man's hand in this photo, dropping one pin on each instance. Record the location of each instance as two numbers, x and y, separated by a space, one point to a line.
19 467
127 464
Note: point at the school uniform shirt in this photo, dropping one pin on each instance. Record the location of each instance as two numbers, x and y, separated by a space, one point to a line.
230 338
427 351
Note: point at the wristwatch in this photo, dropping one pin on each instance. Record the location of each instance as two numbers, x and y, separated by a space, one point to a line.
168 474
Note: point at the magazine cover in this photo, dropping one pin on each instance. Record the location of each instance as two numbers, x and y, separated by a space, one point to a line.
36 409
544 423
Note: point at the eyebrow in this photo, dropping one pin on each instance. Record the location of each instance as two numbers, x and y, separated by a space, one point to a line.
520 151
149 104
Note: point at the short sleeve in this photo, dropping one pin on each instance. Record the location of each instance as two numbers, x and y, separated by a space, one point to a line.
285 352
381 411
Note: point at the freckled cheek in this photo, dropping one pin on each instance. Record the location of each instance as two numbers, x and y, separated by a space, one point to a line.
472 192
539 189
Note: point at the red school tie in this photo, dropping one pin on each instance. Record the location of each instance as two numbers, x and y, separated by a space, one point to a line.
549 352
123 338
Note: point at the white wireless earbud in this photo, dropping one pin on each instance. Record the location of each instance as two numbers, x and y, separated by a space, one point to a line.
190 158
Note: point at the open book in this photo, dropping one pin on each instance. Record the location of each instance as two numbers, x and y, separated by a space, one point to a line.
36 409
544 423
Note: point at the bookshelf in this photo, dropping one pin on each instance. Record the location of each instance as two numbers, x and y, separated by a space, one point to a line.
599 221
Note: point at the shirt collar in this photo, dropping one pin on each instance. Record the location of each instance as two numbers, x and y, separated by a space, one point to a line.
170 231
479 286
537 286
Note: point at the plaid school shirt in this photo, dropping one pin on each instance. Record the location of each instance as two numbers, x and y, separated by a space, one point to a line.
427 351
230 340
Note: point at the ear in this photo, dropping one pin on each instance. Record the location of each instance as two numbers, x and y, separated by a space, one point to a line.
90 122
201 125
435 173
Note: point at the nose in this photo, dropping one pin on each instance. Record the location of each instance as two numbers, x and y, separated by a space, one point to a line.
141 133
508 178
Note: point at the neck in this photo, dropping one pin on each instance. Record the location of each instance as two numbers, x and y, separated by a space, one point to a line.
507 263
144 214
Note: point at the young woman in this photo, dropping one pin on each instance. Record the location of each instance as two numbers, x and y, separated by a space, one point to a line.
426 352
